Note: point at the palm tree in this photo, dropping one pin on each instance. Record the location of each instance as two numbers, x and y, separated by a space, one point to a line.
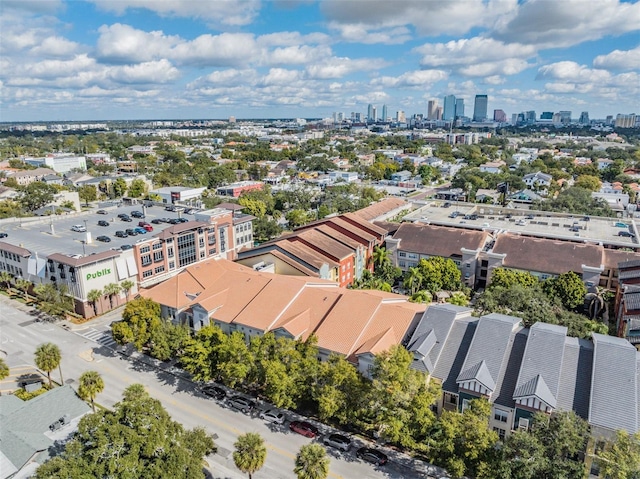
127 285
312 462
48 358
23 285
6 278
91 384
250 453
413 280
4 369
380 256
110 290
93 296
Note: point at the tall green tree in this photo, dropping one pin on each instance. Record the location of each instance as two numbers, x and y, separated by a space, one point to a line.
48 358
137 188
139 318
23 285
127 285
339 390
5 279
137 439
90 385
88 193
568 287
111 290
621 458
36 195
93 297
250 453
505 278
312 462
439 274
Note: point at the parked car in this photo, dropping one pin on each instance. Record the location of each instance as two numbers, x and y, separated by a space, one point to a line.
104 239
529 217
214 391
126 219
121 234
271 415
157 221
102 212
446 204
242 403
3 235
338 441
626 234
145 225
137 214
103 223
78 228
372 456
131 232
521 222
304 428
454 214
125 247
122 215
620 224
140 230
174 221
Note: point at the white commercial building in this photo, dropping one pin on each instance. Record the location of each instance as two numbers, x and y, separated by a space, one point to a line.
62 163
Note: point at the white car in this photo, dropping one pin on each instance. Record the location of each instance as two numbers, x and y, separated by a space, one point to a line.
78 228
271 415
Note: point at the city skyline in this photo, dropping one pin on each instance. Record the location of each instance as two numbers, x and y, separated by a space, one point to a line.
131 59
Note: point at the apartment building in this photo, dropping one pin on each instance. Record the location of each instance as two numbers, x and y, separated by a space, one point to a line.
338 249
356 324
521 371
168 252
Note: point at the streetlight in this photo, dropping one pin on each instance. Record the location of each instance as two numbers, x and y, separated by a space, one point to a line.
84 252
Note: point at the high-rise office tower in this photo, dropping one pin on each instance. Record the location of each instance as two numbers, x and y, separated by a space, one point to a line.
565 117
530 117
431 109
500 116
384 113
625 121
584 118
459 107
401 117
439 113
449 108
546 115
480 108
374 114
370 109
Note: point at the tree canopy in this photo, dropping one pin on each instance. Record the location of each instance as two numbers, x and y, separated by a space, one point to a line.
138 439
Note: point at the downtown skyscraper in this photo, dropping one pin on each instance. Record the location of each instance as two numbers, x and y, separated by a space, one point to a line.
480 108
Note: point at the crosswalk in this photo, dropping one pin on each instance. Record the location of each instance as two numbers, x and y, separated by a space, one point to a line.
103 338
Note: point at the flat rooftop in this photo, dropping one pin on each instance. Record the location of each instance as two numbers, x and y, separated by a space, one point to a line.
52 234
543 224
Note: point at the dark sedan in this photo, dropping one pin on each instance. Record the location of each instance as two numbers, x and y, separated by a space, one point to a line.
304 428
103 223
104 239
214 391
372 456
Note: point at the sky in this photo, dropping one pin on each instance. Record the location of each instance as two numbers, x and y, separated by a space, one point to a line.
211 59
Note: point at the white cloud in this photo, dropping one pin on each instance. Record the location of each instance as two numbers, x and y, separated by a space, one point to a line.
477 56
495 80
56 47
555 24
297 55
280 39
225 49
123 43
359 33
161 71
226 12
427 18
573 72
412 79
619 60
32 6
339 67
281 76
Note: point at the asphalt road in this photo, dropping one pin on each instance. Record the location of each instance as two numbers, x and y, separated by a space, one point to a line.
88 349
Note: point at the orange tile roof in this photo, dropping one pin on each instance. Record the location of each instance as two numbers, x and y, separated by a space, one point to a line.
345 321
380 208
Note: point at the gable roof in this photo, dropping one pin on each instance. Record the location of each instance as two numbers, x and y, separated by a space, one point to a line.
438 240
545 255
381 208
538 388
478 372
609 376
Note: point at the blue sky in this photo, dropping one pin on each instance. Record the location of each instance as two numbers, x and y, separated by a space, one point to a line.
155 59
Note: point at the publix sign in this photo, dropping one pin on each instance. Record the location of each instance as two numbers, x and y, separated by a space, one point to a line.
98 274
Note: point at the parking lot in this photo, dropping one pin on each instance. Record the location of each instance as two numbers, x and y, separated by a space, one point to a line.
54 234
538 223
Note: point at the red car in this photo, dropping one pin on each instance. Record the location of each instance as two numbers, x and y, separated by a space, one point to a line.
304 428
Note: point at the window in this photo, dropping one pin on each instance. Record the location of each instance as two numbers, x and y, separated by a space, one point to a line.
413 256
186 249
523 424
402 264
468 265
157 246
465 404
157 256
170 251
146 260
172 264
211 237
501 433
402 254
146 274
501 416
159 269
145 249
451 399
212 251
